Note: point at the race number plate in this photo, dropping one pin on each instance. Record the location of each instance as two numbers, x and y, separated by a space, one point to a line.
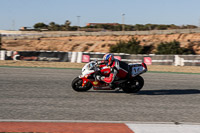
137 69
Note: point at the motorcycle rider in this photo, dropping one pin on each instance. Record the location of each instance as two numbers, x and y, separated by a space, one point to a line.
118 70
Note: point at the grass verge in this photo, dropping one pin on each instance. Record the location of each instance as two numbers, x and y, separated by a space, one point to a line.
69 65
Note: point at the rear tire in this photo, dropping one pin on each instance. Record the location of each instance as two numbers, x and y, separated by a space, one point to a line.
134 85
77 85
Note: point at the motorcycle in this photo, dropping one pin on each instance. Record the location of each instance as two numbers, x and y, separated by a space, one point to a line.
132 84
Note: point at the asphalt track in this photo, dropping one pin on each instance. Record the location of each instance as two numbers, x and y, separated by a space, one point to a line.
46 94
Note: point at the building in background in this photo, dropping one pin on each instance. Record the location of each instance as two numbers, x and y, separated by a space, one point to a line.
96 24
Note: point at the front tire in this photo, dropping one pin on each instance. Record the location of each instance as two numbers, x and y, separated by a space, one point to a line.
134 85
77 85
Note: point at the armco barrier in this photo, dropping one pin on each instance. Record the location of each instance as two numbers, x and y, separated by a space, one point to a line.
36 35
162 59
123 57
190 60
79 57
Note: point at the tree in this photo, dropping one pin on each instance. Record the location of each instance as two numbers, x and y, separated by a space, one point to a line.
52 26
173 48
147 49
67 25
40 26
131 47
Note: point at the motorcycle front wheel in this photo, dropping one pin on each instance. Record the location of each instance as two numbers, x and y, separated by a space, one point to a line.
77 85
134 85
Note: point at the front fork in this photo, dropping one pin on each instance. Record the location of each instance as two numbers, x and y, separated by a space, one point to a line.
94 82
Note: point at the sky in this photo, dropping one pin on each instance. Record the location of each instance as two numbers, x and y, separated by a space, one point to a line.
25 13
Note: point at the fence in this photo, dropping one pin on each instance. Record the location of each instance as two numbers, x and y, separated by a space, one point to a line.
36 35
79 57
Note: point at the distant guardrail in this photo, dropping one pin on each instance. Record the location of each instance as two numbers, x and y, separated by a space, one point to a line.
45 34
80 57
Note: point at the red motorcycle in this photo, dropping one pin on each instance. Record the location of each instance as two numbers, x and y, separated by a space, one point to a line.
132 84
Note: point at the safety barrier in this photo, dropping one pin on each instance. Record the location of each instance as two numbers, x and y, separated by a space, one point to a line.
83 57
6 55
188 60
36 35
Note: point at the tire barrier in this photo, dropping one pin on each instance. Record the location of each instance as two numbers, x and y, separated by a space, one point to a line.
84 57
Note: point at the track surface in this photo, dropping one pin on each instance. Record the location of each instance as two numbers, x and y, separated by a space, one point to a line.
46 94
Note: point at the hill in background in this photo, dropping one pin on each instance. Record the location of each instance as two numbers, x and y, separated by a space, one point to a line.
98 43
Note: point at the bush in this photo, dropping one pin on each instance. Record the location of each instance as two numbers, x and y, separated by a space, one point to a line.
40 26
131 47
147 49
173 48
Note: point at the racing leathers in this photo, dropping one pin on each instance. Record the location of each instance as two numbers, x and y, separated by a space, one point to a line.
118 70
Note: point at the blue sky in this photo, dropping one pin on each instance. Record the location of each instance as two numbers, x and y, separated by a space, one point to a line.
17 13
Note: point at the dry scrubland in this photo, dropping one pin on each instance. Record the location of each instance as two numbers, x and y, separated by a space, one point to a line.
98 43
186 69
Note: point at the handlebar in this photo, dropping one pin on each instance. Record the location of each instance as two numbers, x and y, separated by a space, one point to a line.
100 62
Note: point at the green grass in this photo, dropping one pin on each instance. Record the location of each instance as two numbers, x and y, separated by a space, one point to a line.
80 69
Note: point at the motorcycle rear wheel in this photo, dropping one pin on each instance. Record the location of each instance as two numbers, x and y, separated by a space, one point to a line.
77 85
134 85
